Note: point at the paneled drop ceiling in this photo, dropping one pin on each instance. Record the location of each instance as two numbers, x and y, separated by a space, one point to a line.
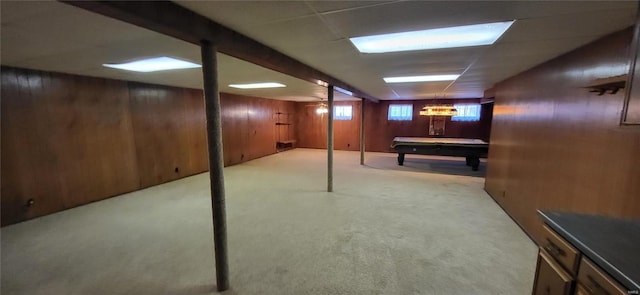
317 32
57 37
54 36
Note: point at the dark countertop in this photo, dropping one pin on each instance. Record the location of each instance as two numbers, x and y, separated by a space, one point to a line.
613 244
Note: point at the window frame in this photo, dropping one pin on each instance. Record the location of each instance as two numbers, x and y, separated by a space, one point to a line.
401 117
343 117
466 117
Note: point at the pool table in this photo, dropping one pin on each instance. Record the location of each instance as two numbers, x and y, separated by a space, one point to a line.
471 149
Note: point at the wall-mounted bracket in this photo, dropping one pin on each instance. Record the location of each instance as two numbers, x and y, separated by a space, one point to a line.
610 85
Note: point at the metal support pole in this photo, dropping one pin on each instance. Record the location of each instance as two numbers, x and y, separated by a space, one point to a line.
362 132
330 140
216 163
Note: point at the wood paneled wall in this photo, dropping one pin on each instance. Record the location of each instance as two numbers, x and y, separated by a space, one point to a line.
65 142
554 145
249 127
312 131
380 131
69 140
169 132
486 117
312 128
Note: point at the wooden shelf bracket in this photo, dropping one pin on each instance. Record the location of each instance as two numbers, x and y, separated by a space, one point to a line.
609 85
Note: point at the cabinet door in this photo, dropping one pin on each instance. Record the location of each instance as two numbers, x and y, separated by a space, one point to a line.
551 279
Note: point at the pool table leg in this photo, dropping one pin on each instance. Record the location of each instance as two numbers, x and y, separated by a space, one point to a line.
400 159
468 160
474 162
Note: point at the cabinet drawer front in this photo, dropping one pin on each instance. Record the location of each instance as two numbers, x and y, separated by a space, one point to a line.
595 281
560 250
581 290
551 279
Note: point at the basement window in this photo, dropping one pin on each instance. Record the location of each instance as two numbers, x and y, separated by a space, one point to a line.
343 112
467 112
400 112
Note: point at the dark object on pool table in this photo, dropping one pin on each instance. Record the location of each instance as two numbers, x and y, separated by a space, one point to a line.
471 149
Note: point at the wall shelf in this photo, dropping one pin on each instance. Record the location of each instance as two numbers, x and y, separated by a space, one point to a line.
610 85
285 139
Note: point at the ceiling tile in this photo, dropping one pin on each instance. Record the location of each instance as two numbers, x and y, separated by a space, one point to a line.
568 26
531 47
419 90
536 9
305 32
327 7
247 14
13 11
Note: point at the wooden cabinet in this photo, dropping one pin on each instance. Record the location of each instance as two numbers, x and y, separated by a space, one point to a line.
562 252
563 270
581 291
551 279
593 281
557 265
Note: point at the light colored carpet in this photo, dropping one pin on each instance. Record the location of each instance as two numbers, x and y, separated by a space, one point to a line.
385 230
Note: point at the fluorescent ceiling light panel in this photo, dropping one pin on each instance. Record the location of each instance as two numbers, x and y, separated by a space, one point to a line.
428 78
462 36
347 92
258 85
154 64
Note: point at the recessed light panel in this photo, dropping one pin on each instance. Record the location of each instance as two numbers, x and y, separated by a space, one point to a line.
258 85
462 36
154 64
428 78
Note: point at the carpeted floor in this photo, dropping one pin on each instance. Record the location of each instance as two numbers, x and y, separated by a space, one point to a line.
385 230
